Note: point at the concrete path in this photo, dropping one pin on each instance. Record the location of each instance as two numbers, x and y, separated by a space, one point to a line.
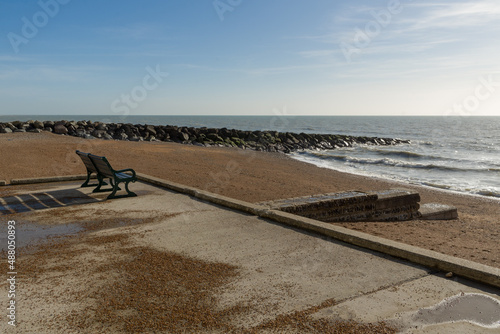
284 268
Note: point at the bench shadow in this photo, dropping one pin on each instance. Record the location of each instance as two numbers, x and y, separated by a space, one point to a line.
43 200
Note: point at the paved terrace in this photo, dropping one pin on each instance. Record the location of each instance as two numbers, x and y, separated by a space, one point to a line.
261 273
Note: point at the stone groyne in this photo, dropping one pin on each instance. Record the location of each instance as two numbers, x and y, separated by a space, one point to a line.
270 141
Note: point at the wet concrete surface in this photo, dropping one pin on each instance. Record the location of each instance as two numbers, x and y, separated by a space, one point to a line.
32 234
475 308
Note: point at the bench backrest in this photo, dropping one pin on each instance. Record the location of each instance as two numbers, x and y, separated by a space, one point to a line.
102 165
86 161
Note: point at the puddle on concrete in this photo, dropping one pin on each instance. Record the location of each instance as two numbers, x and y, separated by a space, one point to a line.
29 234
475 308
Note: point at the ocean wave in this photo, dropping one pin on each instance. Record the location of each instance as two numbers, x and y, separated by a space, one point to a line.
392 152
411 155
436 185
461 180
489 193
393 163
400 154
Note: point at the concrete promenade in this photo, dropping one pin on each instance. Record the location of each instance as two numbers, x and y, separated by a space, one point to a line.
286 268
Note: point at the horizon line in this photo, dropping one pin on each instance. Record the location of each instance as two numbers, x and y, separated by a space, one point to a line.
247 115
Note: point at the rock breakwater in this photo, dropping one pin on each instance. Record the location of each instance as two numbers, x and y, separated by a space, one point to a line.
270 141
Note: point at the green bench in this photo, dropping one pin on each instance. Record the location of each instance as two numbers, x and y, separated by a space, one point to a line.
90 168
100 165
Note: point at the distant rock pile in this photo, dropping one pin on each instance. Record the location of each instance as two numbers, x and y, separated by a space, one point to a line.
270 141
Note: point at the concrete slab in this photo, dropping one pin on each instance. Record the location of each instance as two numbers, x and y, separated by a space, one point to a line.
282 269
404 306
276 262
436 211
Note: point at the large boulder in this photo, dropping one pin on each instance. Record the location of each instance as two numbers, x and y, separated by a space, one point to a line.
120 136
135 138
101 126
214 137
38 125
98 133
252 136
151 130
10 126
17 124
63 122
107 136
71 130
183 136
80 132
60 129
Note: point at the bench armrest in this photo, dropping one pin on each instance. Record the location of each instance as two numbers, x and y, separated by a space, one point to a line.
126 170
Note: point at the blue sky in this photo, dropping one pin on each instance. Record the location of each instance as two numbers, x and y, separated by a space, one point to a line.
250 57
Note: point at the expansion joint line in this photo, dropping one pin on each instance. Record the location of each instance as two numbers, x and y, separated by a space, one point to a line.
389 286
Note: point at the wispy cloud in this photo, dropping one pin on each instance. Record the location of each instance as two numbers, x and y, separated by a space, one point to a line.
456 14
256 71
425 38
137 31
4 58
50 73
317 53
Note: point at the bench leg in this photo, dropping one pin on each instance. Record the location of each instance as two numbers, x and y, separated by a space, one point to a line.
87 184
130 193
98 188
102 183
116 188
113 185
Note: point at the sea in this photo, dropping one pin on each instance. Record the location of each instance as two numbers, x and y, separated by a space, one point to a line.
453 153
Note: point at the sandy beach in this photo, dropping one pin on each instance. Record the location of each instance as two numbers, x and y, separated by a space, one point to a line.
257 176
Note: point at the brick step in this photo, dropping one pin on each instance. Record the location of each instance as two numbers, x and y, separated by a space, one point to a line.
385 205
